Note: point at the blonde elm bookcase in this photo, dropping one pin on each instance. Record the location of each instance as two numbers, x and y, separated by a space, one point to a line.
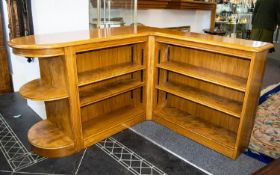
96 83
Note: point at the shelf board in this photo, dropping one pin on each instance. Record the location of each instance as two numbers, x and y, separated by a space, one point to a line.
222 140
94 95
37 90
106 125
215 77
204 98
48 140
108 72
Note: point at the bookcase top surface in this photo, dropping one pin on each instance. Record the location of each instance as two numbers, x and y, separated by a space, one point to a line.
67 39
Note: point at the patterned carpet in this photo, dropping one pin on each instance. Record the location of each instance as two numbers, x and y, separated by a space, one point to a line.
265 137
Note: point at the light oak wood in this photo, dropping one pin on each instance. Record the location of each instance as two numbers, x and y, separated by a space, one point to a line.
108 124
223 79
204 98
48 140
150 78
94 95
251 99
78 38
74 102
101 74
203 112
39 90
204 87
201 131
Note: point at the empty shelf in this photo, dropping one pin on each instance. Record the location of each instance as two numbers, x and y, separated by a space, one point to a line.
37 90
204 98
106 125
107 73
215 77
196 128
48 140
94 95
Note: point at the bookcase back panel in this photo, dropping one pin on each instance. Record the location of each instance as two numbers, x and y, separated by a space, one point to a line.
210 88
214 61
52 71
92 60
58 113
91 87
106 106
207 114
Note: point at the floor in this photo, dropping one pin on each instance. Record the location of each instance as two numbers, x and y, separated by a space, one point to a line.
123 153
147 148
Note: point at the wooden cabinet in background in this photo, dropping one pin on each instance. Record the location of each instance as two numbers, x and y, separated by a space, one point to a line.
5 80
105 80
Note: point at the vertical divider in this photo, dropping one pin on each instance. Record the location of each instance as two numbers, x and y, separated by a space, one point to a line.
74 101
150 78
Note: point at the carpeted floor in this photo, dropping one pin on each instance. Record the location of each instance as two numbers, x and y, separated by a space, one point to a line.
265 137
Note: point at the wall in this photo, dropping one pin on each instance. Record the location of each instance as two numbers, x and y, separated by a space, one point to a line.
53 16
197 19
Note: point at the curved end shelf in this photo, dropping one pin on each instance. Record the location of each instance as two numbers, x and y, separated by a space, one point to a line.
49 141
37 90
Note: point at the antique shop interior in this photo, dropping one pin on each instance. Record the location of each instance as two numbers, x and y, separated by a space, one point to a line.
120 87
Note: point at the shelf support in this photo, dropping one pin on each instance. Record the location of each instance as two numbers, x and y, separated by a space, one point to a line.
74 101
150 78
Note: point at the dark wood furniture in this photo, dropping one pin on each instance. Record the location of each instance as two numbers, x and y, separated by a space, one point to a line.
5 79
271 169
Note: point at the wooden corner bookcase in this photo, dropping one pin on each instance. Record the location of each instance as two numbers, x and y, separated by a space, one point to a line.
103 81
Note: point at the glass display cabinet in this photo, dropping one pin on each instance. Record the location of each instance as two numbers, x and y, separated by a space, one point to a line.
234 18
112 13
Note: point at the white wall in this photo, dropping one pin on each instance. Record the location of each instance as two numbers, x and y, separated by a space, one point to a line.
54 16
197 19
49 16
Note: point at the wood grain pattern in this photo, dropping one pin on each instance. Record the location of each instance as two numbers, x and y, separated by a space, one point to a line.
205 113
58 113
39 90
204 98
150 78
223 79
203 87
111 123
101 74
251 100
94 95
74 102
60 40
201 131
48 140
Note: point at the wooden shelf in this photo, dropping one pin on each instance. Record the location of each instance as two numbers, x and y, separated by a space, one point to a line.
94 95
106 125
38 90
203 132
48 140
97 75
204 98
215 77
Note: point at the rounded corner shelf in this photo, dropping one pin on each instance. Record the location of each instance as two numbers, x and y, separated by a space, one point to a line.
37 90
49 141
